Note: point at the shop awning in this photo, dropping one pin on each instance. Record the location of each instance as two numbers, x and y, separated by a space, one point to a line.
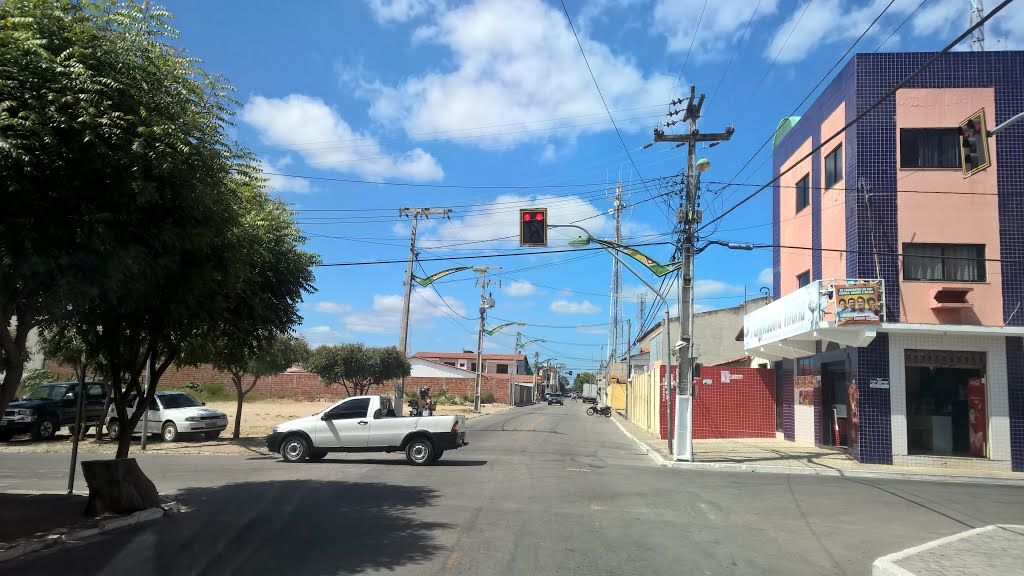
845 311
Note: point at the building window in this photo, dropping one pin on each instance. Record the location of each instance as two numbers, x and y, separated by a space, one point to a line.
803 192
449 363
472 367
945 262
803 279
502 368
929 148
834 166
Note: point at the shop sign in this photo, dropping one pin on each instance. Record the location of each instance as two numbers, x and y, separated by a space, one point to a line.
793 314
804 388
879 383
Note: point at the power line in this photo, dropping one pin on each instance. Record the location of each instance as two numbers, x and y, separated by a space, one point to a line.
693 39
865 112
735 50
896 254
424 185
603 102
893 33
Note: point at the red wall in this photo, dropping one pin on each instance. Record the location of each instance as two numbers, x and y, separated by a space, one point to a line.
744 407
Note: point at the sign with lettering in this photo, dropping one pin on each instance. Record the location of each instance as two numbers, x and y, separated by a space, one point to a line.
882 383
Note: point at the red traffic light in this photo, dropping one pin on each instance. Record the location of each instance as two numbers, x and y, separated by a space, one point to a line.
527 217
540 216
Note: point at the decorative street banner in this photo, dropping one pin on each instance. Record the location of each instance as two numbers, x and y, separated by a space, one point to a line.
976 416
858 304
653 265
430 279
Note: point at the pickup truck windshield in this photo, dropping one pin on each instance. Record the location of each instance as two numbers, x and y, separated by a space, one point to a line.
178 401
51 392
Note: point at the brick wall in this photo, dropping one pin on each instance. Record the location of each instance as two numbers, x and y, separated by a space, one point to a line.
495 383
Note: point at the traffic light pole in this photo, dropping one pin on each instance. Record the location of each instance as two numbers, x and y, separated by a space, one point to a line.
403 342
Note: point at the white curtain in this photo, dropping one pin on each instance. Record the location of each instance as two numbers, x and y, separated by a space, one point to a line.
962 263
922 262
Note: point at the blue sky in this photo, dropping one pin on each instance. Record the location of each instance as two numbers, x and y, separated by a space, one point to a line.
493 93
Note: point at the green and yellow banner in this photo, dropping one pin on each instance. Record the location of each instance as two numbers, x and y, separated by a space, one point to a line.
430 279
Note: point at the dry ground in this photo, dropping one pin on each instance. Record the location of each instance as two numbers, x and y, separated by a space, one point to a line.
258 417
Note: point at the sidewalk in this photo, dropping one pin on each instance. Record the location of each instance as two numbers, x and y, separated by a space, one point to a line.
781 456
988 551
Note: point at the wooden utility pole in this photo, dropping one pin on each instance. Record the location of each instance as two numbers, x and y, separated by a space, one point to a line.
688 217
403 338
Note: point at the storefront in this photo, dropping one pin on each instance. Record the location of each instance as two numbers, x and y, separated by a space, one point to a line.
891 393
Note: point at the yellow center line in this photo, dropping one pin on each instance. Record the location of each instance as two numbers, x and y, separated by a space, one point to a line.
453 559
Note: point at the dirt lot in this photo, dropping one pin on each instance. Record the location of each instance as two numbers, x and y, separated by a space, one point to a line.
257 420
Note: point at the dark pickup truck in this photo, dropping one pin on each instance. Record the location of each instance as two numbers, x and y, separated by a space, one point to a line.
48 408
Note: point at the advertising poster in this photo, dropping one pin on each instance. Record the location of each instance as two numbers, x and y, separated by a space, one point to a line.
976 416
804 387
857 304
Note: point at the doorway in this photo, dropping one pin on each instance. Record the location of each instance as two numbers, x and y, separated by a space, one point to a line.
833 404
946 407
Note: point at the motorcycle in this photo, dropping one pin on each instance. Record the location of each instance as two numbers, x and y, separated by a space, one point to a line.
605 411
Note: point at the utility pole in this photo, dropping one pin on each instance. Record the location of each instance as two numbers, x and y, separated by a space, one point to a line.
485 303
978 36
403 342
536 369
616 288
688 217
629 360
515 370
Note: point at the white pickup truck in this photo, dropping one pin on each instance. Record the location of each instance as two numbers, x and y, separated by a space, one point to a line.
367 424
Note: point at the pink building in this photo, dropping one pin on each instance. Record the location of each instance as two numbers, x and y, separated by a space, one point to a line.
897 326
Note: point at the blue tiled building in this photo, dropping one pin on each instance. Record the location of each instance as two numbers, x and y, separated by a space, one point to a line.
899 283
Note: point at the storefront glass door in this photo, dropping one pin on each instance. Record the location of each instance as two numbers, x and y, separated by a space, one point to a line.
946 411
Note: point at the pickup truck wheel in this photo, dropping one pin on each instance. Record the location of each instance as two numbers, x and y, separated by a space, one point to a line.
420 452
317 455
45 428
294 449
169 432
113 429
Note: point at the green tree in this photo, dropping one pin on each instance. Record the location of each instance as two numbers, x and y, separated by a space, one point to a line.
357 368
129 215
581 379
244 359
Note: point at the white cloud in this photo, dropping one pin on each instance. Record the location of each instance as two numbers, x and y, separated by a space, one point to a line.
330 308
385 314
720 28
323 139
710 288
570 307
501 220
828 22
520 288
766 277
386 11
272 172
515 62
317 335
591 330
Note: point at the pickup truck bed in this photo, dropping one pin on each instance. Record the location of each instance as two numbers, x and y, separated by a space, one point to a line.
367 424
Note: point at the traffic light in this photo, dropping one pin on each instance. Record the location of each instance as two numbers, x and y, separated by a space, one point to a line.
974 143
533 227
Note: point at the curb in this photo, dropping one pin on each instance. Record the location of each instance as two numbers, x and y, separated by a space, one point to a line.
847 473
886 565
661 461
52 540
651 452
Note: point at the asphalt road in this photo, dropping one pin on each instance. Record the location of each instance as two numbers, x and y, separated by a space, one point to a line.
540 490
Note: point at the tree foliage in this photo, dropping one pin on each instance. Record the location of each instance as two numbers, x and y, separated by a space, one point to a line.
581 379
131 218
357 368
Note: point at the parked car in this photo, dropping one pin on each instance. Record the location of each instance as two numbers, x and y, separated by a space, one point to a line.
44 410
555 399
172 414
367 424
589 400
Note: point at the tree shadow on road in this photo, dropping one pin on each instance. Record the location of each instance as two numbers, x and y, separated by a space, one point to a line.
24 515
275 527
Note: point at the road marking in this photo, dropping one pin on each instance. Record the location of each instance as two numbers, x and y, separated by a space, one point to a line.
579 470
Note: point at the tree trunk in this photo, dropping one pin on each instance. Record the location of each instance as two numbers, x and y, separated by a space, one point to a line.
118 486
240 397
14 347
103 418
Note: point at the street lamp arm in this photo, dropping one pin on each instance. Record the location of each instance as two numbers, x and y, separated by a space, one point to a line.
729 245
